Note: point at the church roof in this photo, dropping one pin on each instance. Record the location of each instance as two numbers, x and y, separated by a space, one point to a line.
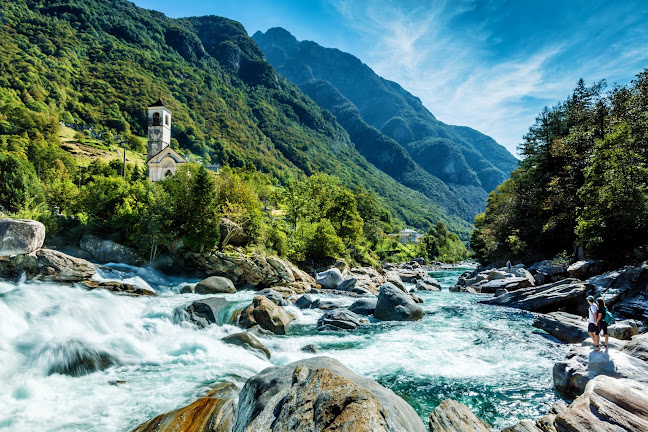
166 151
159 103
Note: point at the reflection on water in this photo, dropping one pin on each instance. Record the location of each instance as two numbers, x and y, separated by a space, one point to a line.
486 357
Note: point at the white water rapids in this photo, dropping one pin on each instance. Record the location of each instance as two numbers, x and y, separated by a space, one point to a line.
486 357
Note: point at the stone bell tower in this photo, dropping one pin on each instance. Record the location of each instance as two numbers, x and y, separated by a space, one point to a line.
159 128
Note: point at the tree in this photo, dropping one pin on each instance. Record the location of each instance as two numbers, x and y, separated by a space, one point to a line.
19 186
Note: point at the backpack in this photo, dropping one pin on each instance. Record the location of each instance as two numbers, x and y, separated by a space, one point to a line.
608 318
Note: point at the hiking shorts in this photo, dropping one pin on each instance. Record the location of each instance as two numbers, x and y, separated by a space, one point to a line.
602 325
591 328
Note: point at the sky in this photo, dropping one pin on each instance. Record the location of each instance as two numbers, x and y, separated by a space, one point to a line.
491 65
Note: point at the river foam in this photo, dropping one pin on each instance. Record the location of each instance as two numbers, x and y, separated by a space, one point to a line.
486 357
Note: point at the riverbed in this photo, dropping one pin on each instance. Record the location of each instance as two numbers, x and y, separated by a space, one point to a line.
487 357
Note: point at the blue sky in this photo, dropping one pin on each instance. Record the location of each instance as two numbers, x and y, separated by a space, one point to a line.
490 65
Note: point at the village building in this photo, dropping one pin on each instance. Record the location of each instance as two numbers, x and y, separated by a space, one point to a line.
407 236
162 160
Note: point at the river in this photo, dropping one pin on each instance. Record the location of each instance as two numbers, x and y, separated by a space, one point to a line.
489 358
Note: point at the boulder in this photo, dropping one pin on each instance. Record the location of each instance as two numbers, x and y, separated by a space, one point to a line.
509 284
543 424
624 290
365 306
452 416
20 236
338 319
47 265
495 274
564 294
565 327
394 278
584 269
73 357
361 291
119 288
524 273
607 405
347 284
212 310
214 413
428 284
583 364
187 289
267 315
410 276
304 302
330 278
215 285
637 347
395 305
324 304
500 292
105 251
232 233
251 271
367 278
549 271
623 330
247 341
310 348
320 394
274 296
416 298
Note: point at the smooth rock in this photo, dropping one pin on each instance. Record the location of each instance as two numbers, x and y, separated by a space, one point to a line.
607 405
347 284
119 287
105 251
274 296
395 305
625 291
584 269
187 289
524 273
324 304
552 271
304 302
310 348
330 278
365 306
215 285
545 298
410 276
495 274
638 347
341 318
416 298
73 357
509 284
320 394
360 291
204 312
20 236
623 330
247 341
394 278
428 284
47 265
214 413
368 278
266 314
453 416
565 327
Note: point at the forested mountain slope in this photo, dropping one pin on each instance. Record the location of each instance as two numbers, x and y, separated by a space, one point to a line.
102 62
403 132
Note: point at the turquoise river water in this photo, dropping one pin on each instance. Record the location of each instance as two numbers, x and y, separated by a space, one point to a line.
486 357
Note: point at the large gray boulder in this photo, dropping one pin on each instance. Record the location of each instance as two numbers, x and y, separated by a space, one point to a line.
548 271
215 285
105 251
607 405
394 278
583 364
347 284
638 347
584 269
367 278
212 310
20 236
330 278
395 305
509 284
264 313
428 284
564 294
320 394
623 330
453 416
338 319
247 341
365 306
47 265
563 326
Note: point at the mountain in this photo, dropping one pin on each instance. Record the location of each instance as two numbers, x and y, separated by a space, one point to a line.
101 62
390 126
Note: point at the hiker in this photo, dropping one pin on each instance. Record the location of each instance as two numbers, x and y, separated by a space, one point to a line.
508 266
601 324
592 326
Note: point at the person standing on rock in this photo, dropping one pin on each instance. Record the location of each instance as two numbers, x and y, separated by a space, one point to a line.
509 268
601 324
592 326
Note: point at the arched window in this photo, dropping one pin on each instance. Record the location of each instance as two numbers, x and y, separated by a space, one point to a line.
156 119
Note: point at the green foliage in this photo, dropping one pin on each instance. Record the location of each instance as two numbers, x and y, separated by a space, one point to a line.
19 186
582 182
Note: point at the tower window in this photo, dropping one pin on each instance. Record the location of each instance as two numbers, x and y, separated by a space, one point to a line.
156 119
166 119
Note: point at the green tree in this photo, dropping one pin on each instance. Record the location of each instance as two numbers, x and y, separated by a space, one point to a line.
19 186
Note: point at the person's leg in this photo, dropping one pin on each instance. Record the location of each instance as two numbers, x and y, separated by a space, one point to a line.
591 329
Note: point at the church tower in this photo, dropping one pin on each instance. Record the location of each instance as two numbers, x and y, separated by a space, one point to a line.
159 128
162 160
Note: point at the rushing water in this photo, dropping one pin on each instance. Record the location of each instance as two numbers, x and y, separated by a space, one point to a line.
488 358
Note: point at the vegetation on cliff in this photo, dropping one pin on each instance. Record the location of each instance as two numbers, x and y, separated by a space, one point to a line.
583 181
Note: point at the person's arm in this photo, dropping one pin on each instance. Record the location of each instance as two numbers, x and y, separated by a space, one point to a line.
599 317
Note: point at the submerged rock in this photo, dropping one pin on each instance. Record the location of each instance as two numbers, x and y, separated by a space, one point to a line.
395 305
304 302
330 279
214 413
266 314
310 348
204 312
274 296
47 265
320 394
215 285
119 287
453 416
20 236
247 341
340 319
365 306
74 358
324 304
105 251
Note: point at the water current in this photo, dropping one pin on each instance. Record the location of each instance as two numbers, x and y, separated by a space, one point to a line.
486 357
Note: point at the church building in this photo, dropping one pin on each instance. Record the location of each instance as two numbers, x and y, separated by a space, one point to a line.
162 161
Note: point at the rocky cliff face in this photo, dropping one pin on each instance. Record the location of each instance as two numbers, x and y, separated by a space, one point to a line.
388 123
